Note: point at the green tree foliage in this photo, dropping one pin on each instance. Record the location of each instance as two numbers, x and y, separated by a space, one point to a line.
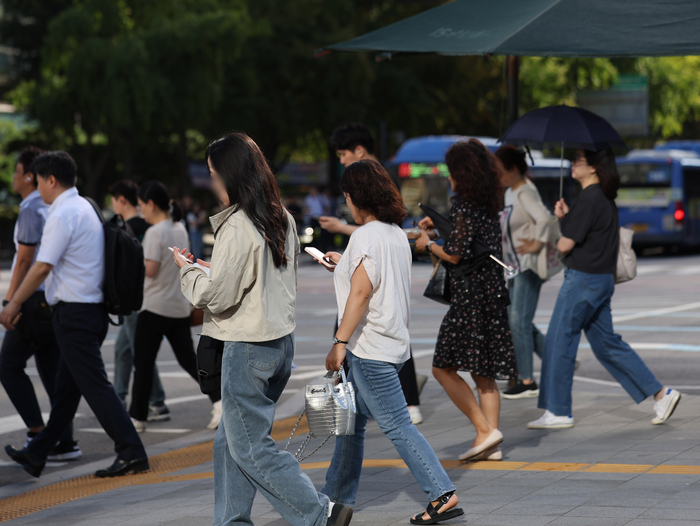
138 88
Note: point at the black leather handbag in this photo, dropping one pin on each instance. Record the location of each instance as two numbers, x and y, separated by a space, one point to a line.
438 288
209 355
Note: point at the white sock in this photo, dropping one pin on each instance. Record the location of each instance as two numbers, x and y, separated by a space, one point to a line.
330 508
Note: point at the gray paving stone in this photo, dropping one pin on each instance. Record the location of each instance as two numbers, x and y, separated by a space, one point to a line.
605 512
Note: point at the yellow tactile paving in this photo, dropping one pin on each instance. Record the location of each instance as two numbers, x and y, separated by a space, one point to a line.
163 465
554 466
77 488
619 468
676 470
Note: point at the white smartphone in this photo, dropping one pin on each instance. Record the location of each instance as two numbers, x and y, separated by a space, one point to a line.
319 256
181 256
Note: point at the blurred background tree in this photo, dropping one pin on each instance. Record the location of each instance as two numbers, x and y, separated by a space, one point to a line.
137 89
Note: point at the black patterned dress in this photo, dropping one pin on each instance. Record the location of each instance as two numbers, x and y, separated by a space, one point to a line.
475 334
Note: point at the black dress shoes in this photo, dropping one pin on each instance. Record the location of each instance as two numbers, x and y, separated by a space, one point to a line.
22 456
123 467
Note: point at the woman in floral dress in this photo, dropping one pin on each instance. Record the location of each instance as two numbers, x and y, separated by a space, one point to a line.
475 335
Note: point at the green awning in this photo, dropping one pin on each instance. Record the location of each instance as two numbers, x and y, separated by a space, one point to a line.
561 28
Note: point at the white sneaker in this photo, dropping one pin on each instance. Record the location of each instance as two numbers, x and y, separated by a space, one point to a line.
216 411
139 425
416 416
665 407
551 421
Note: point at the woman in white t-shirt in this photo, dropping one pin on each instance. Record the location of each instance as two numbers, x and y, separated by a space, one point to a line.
373 287
165 311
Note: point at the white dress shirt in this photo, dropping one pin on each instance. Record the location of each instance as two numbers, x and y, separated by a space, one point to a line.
73 242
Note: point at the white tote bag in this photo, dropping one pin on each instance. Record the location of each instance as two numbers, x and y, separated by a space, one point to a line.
626 258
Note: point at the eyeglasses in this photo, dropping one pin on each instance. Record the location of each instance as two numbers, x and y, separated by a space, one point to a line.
577 160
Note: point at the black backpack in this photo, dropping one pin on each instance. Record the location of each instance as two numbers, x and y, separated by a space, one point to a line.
125 269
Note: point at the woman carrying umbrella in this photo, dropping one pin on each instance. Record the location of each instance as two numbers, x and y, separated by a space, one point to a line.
589 243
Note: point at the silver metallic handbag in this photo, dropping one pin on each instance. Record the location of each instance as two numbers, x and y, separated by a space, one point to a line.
330 409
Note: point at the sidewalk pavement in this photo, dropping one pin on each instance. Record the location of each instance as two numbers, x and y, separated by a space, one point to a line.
613 468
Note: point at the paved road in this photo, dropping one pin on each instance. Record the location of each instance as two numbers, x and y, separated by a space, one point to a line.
659 313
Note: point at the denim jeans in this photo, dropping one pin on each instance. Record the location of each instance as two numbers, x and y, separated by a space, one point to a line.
527 339
378 393
583 304
246 458
124 362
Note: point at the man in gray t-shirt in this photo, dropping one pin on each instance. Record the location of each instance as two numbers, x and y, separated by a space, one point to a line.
34 331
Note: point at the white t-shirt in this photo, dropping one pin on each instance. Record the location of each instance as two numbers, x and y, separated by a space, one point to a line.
161 293
383 333
73 242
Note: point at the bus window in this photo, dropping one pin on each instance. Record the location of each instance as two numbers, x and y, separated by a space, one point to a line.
646 185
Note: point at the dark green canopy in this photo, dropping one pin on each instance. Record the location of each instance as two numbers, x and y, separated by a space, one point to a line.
561 28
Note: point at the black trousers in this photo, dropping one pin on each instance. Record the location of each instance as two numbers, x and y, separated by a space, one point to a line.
80 330
15 352
150 329
407 377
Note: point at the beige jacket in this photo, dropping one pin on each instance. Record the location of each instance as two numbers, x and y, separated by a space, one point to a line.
246 298
528 220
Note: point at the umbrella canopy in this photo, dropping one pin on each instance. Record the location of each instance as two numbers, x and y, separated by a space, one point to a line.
561 28
562 126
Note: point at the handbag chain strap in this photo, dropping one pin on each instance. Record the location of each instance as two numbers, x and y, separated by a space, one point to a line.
305 442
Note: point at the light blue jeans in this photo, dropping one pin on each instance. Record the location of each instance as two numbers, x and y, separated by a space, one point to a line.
246 458
378 393
124 362
583 304
527 339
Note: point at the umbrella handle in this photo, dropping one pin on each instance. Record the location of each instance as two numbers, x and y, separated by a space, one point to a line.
561 174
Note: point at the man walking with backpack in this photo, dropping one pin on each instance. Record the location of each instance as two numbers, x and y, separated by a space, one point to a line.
71 260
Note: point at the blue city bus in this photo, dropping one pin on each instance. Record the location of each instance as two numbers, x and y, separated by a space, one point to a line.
659 196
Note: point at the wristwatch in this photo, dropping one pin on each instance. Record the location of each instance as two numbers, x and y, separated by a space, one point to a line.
427 246
336 341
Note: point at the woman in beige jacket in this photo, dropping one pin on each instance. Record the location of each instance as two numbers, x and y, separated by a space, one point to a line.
527 232
249 302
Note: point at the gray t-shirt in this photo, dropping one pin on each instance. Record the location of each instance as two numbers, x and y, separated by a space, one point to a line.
30 225
161 293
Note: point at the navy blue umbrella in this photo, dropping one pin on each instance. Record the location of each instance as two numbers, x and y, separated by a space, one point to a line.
563 126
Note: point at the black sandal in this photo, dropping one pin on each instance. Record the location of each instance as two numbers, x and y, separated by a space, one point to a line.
436 517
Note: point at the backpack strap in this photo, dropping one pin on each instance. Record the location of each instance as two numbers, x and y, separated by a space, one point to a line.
96 207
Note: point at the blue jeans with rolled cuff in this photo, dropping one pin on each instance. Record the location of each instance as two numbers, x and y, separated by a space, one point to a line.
583 304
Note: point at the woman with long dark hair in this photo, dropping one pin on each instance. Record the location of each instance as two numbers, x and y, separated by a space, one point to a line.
474 335
249 302
590 243
373 288
165 312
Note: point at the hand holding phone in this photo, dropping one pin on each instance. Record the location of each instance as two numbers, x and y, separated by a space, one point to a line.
320 256
181 256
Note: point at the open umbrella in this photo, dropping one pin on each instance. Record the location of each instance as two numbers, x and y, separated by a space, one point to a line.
563 126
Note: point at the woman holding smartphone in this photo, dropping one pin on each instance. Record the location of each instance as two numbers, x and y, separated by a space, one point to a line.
249 303
373 288
165 311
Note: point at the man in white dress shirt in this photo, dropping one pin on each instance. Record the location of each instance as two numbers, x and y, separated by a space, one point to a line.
71 260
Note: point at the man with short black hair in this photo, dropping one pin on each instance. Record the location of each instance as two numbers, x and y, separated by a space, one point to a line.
34 334
71 260
353 142
125 203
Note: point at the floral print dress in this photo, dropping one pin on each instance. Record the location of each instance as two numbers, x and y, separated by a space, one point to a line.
475 334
